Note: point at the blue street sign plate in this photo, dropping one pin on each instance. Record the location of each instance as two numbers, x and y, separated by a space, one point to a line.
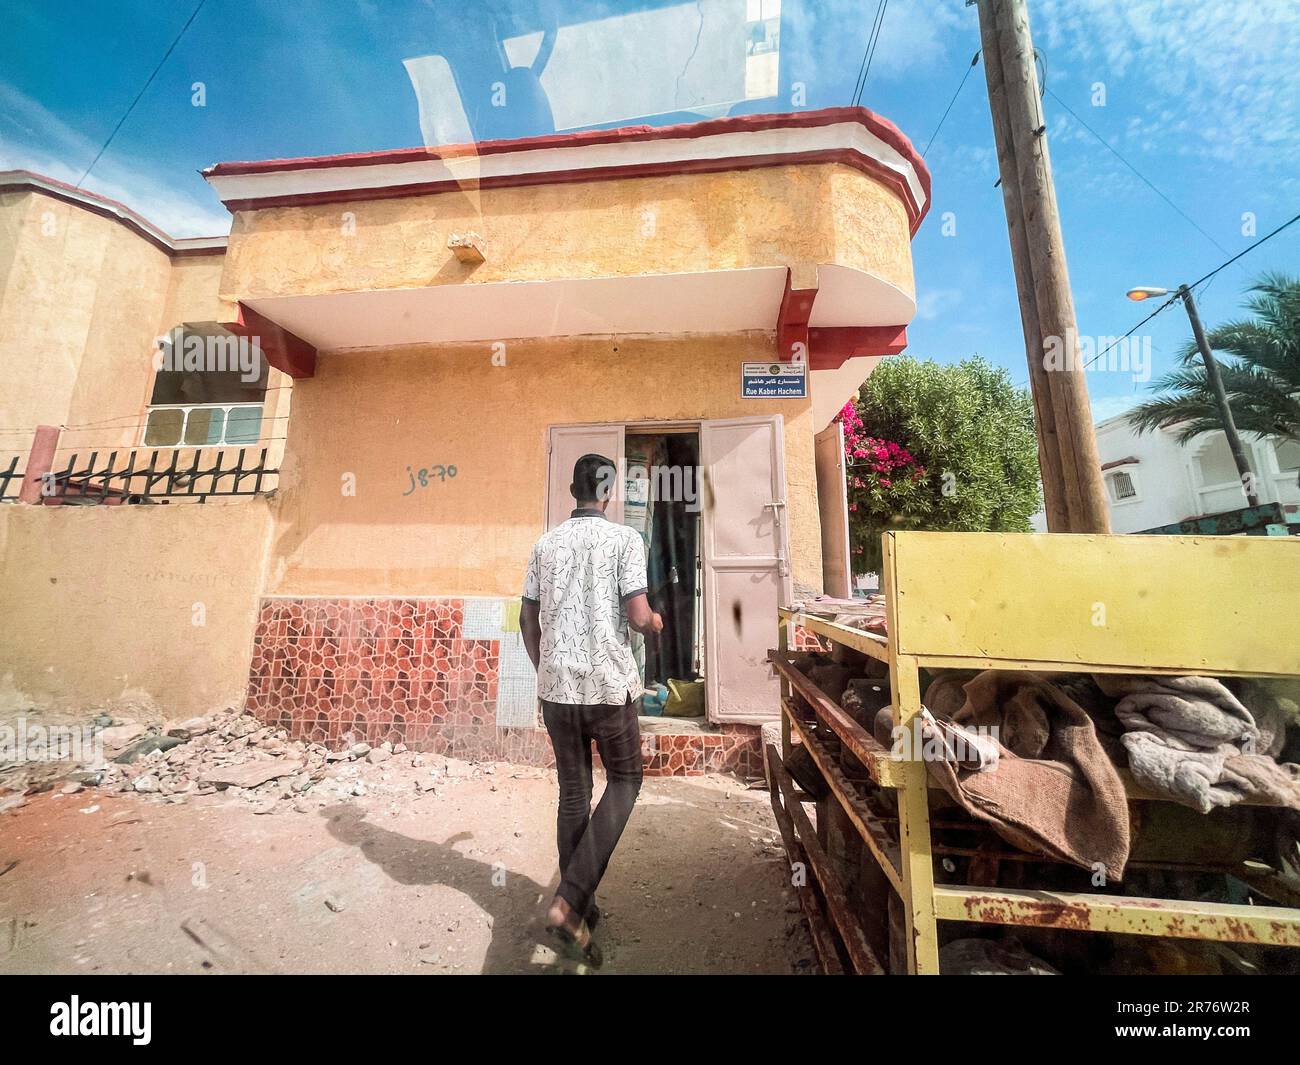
774 380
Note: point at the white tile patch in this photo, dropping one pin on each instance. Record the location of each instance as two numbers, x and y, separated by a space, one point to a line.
516 678
516 701
514 656
516 684
482 619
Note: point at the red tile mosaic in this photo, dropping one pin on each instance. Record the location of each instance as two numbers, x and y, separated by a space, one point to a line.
807 640
336 671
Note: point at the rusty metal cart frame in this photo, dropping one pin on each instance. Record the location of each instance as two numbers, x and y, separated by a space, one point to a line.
1058 603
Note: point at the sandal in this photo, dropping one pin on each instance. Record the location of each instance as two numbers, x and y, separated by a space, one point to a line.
574 941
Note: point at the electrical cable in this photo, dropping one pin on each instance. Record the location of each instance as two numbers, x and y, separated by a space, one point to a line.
974 60
872 39
143 89
1140 176
1193 285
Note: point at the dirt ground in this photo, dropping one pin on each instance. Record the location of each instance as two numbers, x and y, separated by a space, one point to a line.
449 882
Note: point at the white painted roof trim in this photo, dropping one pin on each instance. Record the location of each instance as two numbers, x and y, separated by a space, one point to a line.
103 205
630 153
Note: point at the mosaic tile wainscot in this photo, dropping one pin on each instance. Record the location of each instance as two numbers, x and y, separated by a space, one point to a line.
445 675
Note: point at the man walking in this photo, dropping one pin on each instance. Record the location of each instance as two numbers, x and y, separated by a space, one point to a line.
585 585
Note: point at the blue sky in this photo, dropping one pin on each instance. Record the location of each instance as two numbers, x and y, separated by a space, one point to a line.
1202 98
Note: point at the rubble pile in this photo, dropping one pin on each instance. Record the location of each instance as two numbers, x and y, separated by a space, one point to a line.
233 753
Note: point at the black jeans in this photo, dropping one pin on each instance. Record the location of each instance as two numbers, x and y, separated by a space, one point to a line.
586 839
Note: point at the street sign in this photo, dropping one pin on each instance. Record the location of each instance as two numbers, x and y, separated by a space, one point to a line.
774 380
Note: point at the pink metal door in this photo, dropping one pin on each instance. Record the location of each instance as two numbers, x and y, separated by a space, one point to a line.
746 563
565 445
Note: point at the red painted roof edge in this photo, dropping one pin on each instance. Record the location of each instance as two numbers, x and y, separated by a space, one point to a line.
880 126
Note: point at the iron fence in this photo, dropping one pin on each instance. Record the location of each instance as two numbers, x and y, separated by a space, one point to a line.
11 481
135 481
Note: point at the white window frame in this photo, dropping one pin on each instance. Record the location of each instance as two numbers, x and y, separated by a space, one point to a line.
188 409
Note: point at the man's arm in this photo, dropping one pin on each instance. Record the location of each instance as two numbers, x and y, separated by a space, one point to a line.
641 617
530 613
632 586
530 625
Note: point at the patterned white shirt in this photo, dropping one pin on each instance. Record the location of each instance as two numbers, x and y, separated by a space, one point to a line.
580 574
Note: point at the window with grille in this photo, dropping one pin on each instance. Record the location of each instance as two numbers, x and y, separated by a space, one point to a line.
1122 487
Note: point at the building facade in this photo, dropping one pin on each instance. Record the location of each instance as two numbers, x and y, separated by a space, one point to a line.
455 326
1153 481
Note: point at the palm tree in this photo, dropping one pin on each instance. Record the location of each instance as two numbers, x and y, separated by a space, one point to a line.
1263 383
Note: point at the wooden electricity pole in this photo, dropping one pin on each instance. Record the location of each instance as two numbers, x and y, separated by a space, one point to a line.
1067 447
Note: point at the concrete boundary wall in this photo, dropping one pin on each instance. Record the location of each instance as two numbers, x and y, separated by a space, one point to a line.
146 611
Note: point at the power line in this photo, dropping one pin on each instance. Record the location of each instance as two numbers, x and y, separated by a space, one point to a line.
77 449
974 59
1267 236
1194 284
872 39
1140 324
862 67
125 421
144 88
121 421
1141 177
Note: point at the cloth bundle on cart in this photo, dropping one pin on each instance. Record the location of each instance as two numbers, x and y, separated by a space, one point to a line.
1051 788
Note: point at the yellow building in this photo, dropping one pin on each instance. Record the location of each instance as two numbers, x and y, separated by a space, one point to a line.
458 325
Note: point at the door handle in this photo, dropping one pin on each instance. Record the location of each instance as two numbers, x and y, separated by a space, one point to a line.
782 563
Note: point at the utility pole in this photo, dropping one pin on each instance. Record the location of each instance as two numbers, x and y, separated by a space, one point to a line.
1072 482
1221 399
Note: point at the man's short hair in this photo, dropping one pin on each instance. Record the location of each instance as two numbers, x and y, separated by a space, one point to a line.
593 478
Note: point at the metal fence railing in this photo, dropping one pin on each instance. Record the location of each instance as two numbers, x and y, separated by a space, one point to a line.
142 477
11 481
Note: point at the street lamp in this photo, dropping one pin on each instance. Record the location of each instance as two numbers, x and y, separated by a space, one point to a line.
1146 292
1143 292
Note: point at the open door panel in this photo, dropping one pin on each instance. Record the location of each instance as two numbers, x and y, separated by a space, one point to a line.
567 444
746 567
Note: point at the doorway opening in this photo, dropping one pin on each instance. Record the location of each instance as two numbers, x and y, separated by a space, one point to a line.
731 563
663 503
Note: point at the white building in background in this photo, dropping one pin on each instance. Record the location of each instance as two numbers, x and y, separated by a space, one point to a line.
1152 480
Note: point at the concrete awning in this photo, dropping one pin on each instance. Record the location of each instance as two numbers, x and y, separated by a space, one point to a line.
820 257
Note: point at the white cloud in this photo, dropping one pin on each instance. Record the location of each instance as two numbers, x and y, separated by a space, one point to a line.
969 158
910 41
32 138
1109 406
935 302
1223 75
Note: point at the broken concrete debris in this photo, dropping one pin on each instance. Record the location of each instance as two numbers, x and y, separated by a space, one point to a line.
251 774
233 753
150 743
